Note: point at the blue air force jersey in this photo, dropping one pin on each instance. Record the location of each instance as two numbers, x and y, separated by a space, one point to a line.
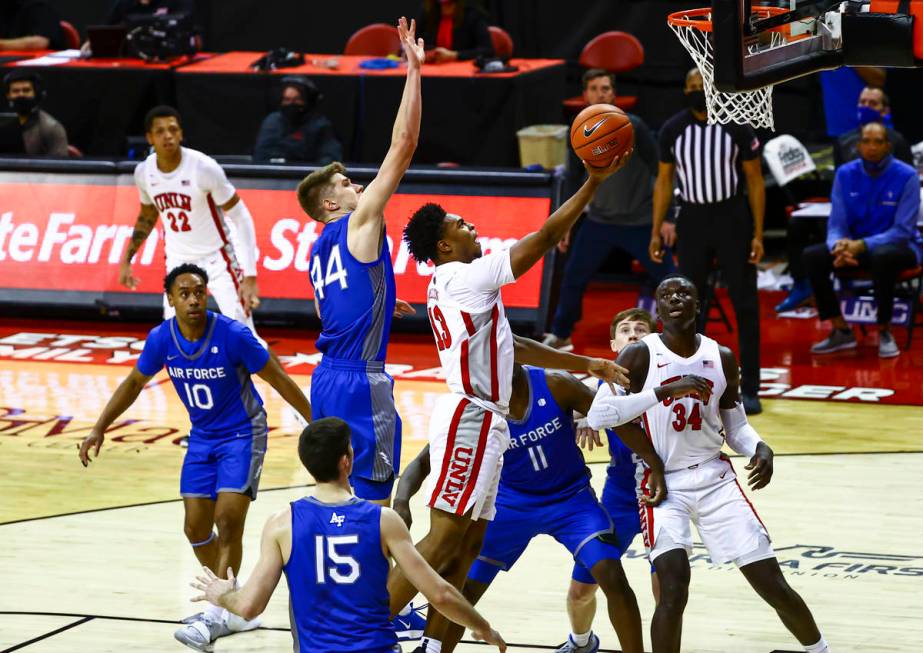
543 463
621 474
211 375
338 578
356 299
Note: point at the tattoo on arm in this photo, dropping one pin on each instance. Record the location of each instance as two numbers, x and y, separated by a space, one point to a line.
147 218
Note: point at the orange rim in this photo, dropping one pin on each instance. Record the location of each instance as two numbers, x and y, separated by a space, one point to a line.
700 18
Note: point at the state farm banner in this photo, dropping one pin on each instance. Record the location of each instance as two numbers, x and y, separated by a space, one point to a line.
68 232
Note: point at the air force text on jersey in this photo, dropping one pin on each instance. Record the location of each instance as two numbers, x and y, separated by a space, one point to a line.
536 434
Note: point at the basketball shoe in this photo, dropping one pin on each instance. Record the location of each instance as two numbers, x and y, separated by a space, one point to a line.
571 647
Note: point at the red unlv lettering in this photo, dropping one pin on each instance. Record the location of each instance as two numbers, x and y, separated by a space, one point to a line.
459 467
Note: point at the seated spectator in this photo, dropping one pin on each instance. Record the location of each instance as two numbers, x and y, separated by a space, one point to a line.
121 9
296 132
457 29
874 106
42 135
873 225
29 25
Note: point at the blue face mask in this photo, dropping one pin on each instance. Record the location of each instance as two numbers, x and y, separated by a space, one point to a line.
873 168
865 115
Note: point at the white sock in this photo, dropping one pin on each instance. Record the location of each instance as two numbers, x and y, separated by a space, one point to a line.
582 639
432 645
820 647
214 611
407 609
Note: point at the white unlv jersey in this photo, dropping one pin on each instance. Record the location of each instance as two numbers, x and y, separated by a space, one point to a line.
473 336
684 431
188 201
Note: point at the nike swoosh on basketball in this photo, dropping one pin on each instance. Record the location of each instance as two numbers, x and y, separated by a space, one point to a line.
588 131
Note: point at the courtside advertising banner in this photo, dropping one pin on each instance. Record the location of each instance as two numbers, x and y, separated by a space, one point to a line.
68 232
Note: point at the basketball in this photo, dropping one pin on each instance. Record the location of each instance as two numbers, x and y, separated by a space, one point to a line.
600 133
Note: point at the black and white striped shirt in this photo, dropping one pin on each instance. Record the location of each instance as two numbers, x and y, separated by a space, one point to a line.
707 157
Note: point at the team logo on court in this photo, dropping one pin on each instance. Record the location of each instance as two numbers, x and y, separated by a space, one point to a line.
337 519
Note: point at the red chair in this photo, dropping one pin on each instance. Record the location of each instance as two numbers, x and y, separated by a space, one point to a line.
376 40
502 42
616 52
71 35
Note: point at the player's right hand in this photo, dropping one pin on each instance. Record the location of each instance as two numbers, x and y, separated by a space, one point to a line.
617 164
490 636
608 372
689 385
126 278
413 47
93 441
655 249
656 490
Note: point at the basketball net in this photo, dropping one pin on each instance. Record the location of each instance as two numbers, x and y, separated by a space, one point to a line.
693 28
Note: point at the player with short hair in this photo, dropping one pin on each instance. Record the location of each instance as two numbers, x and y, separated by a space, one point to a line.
468 430
688 434
335 550
209 358
545 490
196 202
354 293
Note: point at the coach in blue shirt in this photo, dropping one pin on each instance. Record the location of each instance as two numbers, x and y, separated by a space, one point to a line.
873 225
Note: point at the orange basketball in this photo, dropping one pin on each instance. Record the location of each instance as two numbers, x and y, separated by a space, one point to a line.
600 133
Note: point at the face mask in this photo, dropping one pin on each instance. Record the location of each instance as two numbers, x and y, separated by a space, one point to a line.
294 113
865 115
696 100
873 168
24 105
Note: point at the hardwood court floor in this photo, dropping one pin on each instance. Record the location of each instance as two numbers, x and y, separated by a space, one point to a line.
98 555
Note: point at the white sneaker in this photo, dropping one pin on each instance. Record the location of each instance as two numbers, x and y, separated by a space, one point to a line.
200 635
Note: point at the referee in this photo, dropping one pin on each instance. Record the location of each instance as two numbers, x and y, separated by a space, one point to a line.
712 163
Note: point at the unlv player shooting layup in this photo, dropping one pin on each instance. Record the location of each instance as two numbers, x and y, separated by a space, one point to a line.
468 429
688 434
192 195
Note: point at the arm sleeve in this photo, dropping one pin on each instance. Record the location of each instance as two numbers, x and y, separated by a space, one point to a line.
837 225
139 182
151 359
741 437
905 219
245 231
491 272
213 180
611 410
247 349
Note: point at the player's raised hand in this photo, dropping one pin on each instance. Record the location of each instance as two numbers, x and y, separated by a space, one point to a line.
608 372
126 278
93 441
617 164
249 294
403 309
760 467
656 490
490 636
413 47
212 587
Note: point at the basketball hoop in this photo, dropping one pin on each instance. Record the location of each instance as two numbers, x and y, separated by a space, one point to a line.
693 27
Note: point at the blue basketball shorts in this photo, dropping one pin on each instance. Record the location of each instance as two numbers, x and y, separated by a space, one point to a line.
231 464
362 394
579 523
622 506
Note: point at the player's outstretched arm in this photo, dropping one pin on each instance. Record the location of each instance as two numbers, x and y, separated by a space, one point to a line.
529 352
147 218
368 218
411 479
273 374
123 397
441 595
740 436
251 598
529 250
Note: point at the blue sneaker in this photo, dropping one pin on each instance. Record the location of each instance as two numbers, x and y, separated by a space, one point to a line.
798 295
410 626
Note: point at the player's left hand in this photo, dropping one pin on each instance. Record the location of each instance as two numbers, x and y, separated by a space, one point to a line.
490 636
212 587
249 294
756 250
656 487
403 309
608 372
760 467
413 47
